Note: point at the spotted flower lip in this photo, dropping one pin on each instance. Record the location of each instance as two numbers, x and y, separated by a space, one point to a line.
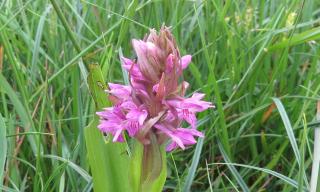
154 102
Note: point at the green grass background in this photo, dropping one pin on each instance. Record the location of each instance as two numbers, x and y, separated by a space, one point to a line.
257 60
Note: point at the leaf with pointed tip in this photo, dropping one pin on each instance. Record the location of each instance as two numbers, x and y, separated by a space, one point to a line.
108 161
148 167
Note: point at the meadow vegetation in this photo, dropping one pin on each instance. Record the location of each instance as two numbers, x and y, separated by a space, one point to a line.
256 60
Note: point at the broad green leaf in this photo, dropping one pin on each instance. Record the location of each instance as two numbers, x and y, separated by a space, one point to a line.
108 161
3 147
136 166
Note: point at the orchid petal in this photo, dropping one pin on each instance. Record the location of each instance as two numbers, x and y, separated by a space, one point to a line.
185 61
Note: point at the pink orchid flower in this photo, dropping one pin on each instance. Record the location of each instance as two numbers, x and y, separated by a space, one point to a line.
155 101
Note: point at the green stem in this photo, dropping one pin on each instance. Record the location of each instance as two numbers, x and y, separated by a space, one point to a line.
66 26
316 156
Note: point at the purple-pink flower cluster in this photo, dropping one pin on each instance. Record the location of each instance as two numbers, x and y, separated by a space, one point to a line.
154 102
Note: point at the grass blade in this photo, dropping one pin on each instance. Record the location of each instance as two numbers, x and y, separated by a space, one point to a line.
194 165
290 132
22 112
38 37
316 155
306 36
74 166
288 127
3 148
286 179
233 170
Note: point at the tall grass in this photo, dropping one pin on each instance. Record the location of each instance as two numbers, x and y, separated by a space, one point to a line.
257 60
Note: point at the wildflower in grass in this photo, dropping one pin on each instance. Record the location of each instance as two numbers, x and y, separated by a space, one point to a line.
154 102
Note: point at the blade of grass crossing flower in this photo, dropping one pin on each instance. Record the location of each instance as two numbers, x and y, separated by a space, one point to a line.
193 168
290 132
124 72
233 170
108 161
3 148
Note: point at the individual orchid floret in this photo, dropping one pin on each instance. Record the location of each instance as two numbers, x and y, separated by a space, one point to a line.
154 103
185 61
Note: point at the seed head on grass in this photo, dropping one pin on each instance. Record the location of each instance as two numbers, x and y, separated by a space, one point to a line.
155 101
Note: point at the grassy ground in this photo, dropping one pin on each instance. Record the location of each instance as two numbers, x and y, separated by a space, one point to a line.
257 60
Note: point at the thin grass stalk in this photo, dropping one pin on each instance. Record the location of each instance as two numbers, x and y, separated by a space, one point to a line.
66 26
316 155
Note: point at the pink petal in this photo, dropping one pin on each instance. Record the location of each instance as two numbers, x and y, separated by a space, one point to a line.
120 91
160 88
145 52
171 134
191 131
132 128
142 117
127 63
172 146
185 61
116 135
198 96
189 117
169 63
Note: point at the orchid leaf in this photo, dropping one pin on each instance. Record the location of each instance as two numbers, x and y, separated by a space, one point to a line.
108 161
157 184
136 166
148 167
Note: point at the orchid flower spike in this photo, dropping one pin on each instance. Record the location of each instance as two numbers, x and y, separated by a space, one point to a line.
155 101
